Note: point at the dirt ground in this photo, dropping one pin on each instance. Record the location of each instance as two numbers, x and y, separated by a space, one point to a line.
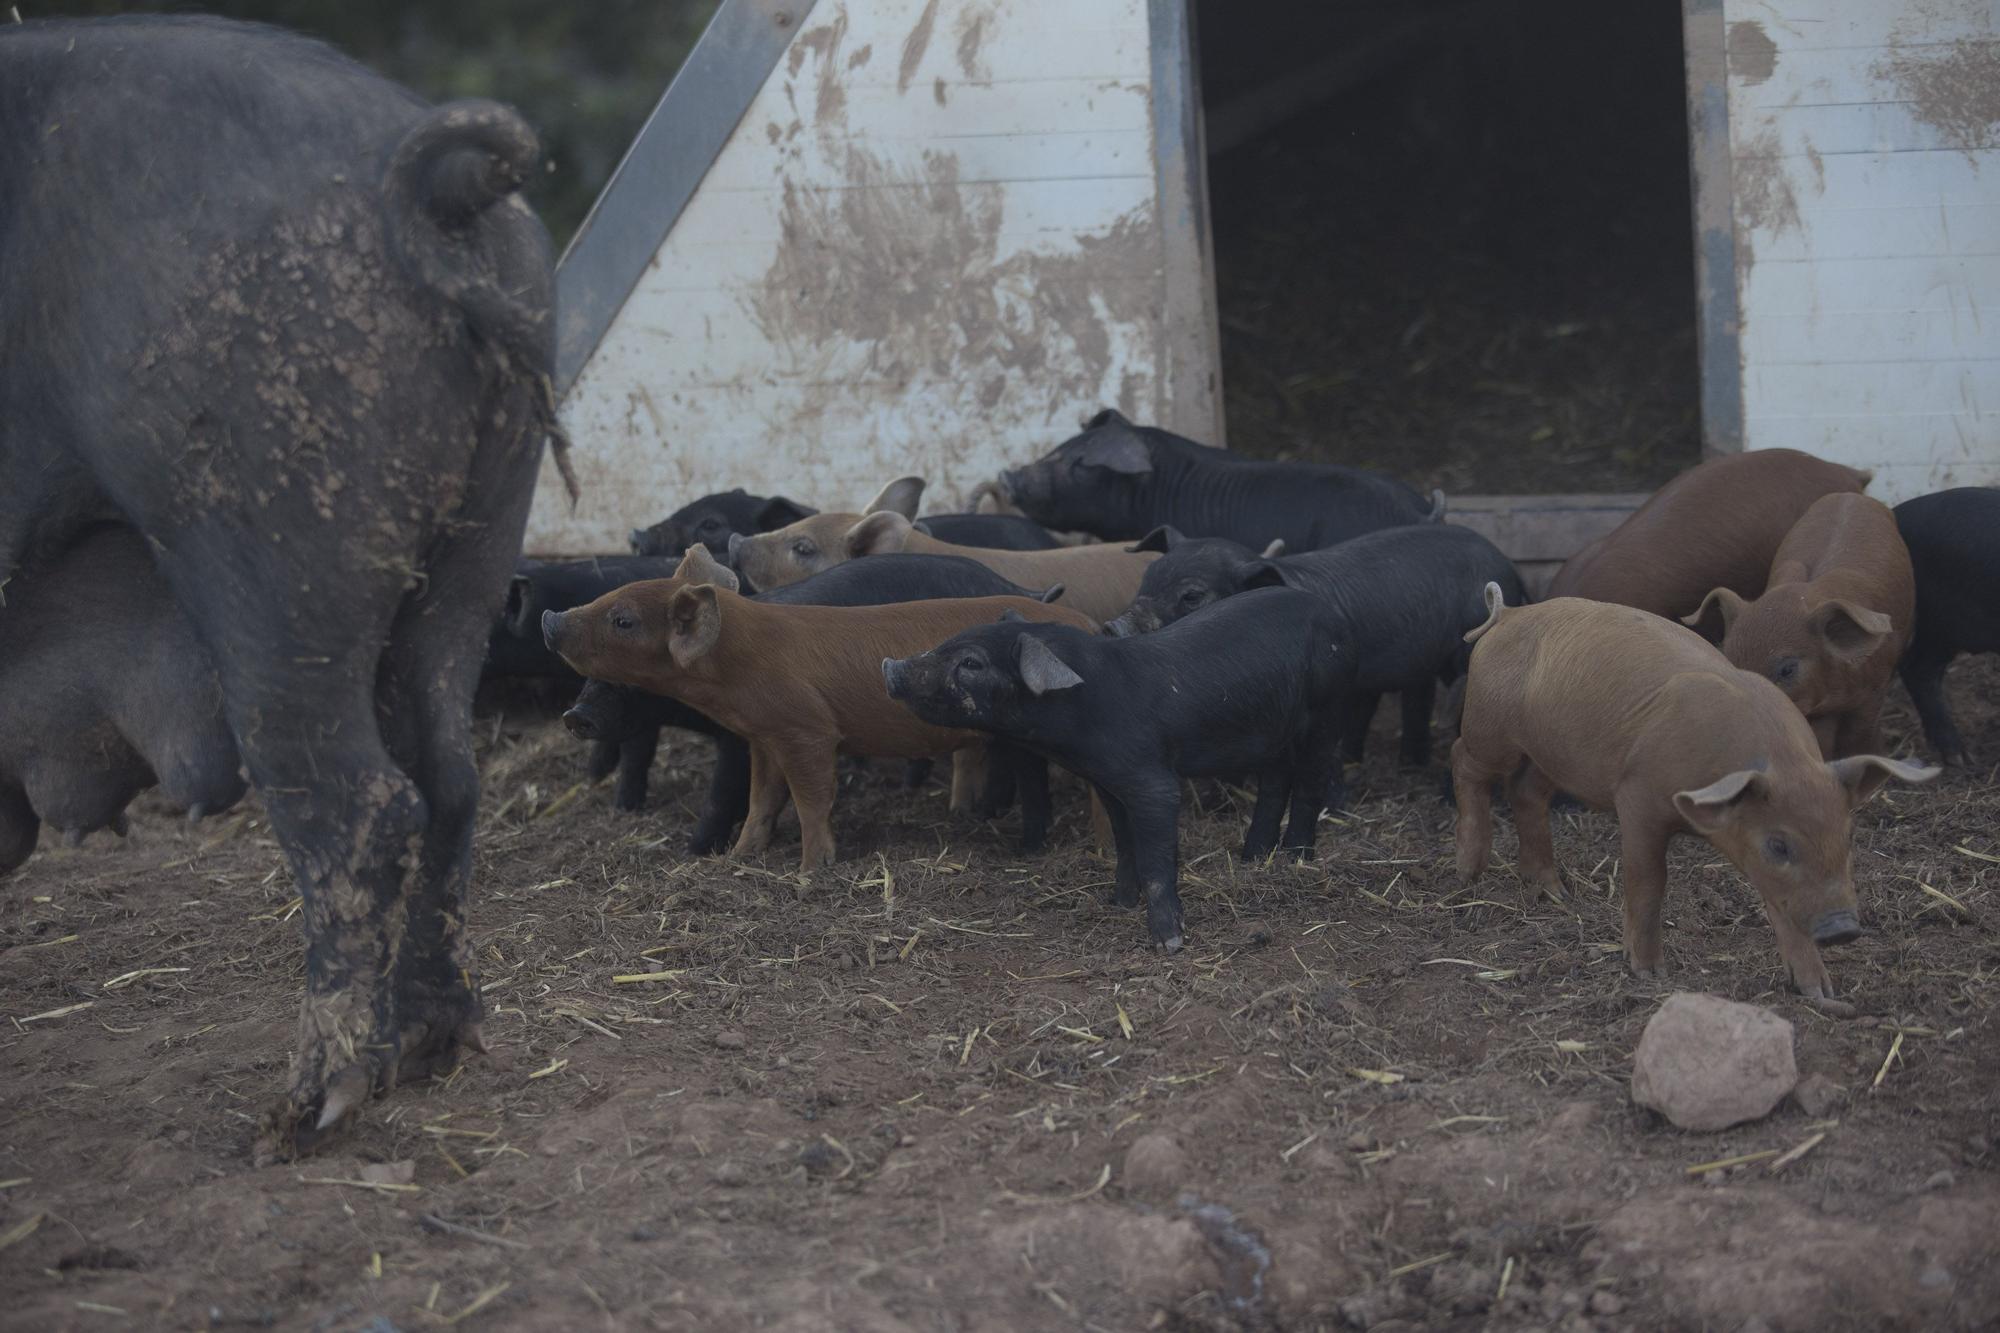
943 1086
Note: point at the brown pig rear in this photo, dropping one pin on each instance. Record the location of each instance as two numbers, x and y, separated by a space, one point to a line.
1098 580
801 684
1631 712
1832 622
1717 525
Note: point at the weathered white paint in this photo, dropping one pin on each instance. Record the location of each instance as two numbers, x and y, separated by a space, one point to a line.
932 245
1864 147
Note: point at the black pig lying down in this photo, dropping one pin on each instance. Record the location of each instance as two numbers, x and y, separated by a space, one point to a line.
1400 600
294 326
1120 481
1003 532
103 692
711 521
1252 685
1954 541
631 718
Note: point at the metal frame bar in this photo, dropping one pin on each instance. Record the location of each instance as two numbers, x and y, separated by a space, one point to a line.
1190 400
1718 315
679 142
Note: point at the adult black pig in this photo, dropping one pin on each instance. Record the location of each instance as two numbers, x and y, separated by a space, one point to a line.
711 521
630 718
294 326
1401 600
1120 481
1954 541
103 693
1252 685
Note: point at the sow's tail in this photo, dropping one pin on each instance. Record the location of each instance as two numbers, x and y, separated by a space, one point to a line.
1496 602
453 216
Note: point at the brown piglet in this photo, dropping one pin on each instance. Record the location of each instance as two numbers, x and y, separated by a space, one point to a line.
1717 525
1631 712
1833 620
1098 580
800 684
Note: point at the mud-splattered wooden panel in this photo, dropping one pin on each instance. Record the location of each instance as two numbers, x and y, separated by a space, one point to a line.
1864 189
932 245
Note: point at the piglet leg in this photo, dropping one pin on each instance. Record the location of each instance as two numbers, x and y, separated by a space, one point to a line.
767 798
811 771
1153 812
1274 789
1803 961
1529 794
1417 703
728 797
1472 784
1859 732
1643 847
1356 713
635 768
1031 778
1125 884
1923 675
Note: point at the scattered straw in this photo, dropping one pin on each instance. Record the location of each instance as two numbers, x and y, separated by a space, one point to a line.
1103 1179
1895 1048
1724 1163
1420 1263
1382 1076
20 1231
56 1013
129 977
379 1186
1804 1146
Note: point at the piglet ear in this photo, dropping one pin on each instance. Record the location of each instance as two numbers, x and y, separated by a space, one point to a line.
1710 809
898 497
695 622
1113 443
778 512
1050 593
880 533
1717 612
1275 549
1161 539
1262 574
1850 632
1041 670
1864 774
698 566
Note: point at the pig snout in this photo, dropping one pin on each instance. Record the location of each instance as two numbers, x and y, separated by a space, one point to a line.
1136 620
582 725
1836 927
552 629
896 677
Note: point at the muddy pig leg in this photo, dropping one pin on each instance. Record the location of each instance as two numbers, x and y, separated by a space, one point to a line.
1031 779
1529 793
1002 768
1153 813
603 758
1318 762
767 798
1643 853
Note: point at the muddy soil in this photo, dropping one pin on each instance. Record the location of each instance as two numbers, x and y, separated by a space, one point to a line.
944 1086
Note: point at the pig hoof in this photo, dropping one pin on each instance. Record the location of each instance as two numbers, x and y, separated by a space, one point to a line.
72 837
1172 944
196 813
1831 1007
344 1093
120 825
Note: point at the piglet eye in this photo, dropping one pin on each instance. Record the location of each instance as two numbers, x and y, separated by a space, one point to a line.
1192 597
620 620
970 666
802 549
1786 669
711 523
1778 848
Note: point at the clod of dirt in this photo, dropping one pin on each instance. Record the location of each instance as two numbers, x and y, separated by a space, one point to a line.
730 1040
1606 1303
729 1174
388 1173
1707 1063
1817 1095
1156 1167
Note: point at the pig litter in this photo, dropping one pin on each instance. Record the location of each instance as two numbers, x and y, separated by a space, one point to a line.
945 1086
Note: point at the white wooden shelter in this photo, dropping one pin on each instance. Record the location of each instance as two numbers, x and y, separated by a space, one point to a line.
861 238
1847 179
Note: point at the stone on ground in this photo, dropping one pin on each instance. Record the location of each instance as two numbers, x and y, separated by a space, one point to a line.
1707 1063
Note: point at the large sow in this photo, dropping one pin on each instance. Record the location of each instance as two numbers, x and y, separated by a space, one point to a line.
294 326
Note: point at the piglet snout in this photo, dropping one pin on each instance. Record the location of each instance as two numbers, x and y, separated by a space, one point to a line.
895 676
551 628
581 724
1837 927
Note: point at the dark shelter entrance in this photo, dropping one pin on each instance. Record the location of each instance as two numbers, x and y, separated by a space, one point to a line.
1453 240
